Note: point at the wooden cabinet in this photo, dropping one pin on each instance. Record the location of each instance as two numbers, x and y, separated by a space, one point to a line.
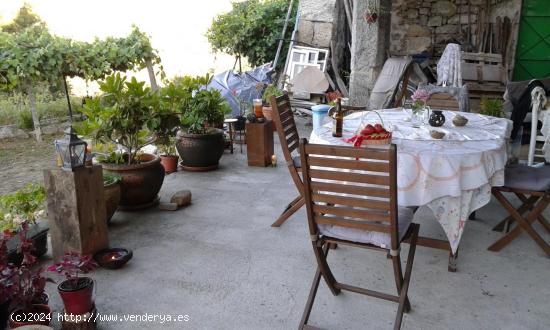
259 143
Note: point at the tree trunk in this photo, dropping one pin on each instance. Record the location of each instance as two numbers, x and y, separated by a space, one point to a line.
34 112
151 72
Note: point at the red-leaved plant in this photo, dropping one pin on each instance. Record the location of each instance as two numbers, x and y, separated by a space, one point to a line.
71 266
23 284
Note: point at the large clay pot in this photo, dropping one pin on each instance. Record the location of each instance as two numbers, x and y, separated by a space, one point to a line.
77 300
112 198
41 316
200 152
140 182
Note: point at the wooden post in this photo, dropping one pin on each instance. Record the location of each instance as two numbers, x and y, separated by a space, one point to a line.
151 71
259 143
34 112
76 210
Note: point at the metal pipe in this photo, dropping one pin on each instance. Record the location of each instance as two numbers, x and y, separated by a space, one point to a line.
280 46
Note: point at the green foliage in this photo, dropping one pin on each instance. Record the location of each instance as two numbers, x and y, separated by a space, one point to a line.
25 18
121 115
110 178
252 29
23 205
205 108
15 109
34 55
269 91
491 107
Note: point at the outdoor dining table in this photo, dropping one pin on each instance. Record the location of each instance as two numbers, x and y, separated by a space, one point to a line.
452 176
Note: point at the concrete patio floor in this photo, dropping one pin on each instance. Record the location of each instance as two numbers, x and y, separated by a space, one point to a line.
219 262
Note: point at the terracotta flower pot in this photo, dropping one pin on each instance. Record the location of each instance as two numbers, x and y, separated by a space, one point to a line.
77 300
169 162
371 17
112 198
200 152
140 182
41 316
268 113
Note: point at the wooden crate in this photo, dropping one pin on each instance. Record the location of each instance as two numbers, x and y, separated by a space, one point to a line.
259 143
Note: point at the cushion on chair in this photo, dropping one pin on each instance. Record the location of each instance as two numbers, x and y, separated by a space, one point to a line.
383 240
297 161
523 177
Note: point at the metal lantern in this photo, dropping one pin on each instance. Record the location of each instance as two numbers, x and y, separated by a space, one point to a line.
71 150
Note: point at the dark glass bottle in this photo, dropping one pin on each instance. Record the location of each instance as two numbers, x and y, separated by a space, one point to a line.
338 123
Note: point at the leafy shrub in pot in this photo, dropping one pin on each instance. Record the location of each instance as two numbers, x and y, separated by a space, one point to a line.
75 291
124 116
200 143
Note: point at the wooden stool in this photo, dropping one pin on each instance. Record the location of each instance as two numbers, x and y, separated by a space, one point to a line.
259 143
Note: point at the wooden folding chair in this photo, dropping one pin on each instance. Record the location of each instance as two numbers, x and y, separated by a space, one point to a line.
351 199
532 186
289 138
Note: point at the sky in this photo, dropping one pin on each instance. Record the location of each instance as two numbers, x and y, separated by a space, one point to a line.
177 28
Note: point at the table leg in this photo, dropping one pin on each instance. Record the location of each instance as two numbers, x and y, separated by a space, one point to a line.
440 245
231 136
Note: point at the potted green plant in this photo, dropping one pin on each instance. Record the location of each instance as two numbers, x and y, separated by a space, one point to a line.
200 143
173 100
75 291
168 156
25 205
22 286
122 116
491 107
270 90
111 190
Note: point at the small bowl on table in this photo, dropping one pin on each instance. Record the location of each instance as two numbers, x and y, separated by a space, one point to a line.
437 134
460 121
113 258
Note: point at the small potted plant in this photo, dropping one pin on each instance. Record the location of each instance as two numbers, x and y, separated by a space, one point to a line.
371 13
200 143
491 107
23 286
168 156
270 90
122 116
75 291
25 205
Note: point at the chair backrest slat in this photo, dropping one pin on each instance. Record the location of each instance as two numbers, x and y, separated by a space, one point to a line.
349 164
353 201
286 126
350 177
354 224
351 187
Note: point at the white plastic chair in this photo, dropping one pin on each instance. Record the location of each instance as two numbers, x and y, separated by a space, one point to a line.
538 100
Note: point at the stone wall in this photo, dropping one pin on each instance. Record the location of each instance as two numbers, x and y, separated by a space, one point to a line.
315 27
419 25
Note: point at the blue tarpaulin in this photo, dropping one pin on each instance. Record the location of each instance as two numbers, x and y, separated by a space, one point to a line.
240 88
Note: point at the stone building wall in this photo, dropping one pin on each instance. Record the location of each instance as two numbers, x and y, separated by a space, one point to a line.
315 27
419 25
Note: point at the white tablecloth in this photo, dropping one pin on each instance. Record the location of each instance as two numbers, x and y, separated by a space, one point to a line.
453 176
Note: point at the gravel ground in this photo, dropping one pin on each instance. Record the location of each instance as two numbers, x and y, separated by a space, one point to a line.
22 161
